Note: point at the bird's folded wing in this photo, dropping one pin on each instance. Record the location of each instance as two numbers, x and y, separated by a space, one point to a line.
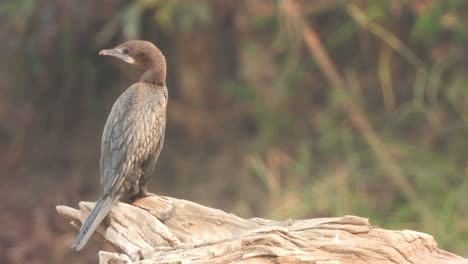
134 129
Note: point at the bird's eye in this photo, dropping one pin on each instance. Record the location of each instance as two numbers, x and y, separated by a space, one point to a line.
125 51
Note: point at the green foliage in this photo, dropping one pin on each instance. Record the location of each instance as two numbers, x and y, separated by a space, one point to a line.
428 25
131 20
442 18
15 11
179 14
412 173
377 9
457 95
239 92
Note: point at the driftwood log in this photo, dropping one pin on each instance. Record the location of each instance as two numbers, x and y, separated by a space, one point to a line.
159 229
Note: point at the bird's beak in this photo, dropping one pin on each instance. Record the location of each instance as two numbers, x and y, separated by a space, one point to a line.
118 54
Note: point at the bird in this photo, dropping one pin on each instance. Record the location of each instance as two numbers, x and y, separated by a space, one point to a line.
133 135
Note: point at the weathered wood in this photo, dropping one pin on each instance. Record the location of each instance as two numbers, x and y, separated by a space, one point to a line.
167 230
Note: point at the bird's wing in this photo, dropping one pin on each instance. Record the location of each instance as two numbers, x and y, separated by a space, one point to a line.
133 130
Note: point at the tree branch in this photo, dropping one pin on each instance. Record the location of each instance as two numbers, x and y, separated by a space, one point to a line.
159 229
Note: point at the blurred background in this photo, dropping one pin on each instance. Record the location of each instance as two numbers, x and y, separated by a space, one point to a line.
278 109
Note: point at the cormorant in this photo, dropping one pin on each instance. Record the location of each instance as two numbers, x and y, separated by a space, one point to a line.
133 135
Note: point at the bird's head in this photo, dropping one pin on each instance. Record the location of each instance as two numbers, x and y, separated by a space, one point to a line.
140 53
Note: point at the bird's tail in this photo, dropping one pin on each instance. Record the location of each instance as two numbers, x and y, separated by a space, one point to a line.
100 210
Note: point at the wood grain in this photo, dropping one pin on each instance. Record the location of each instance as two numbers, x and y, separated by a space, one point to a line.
159 229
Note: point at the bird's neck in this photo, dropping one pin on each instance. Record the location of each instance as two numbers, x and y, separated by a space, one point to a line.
156 75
